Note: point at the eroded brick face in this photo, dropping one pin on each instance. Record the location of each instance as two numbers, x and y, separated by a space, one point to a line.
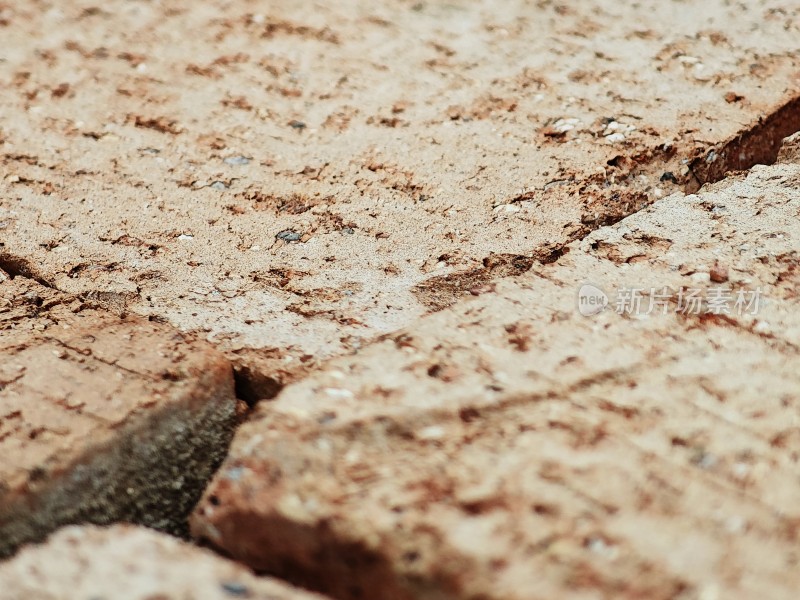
511 447
103 417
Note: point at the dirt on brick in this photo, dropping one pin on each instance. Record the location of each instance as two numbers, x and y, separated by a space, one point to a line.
295 182
512 447
426 231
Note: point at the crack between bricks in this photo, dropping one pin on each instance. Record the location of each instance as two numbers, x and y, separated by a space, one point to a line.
757 144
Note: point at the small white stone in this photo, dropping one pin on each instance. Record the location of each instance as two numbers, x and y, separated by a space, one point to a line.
735 524
338 393
740 470
762 327
434 432
599 546
564 125
509 208
709 592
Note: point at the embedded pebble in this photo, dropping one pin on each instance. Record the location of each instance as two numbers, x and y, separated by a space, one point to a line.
237 160
288 236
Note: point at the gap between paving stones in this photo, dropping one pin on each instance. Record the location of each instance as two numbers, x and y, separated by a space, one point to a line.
375 477
281 182
256 382
757 144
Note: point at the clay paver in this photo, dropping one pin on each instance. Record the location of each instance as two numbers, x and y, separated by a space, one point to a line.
295 182
510 447
102 417
131 563
293 185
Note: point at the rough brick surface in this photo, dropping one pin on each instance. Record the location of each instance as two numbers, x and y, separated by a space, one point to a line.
102 417
790 149
294 182
510 447
130 563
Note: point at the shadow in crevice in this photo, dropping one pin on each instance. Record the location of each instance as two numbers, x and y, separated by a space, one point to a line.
17 266
253 386
758 145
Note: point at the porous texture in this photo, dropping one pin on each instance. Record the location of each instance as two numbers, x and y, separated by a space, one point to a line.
510 447
790 149
131 563
293 179
296 181
102 417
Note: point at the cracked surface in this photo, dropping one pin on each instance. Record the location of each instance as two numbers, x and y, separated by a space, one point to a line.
509 447
295 183
102 417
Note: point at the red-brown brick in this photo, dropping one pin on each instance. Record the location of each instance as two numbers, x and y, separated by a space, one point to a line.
103 417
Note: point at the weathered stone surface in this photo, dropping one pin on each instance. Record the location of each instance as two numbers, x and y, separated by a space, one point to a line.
130 563
790 149
102 417
510 447
296 182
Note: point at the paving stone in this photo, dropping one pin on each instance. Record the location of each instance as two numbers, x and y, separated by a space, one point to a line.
293 180
131 563
511 447
103 417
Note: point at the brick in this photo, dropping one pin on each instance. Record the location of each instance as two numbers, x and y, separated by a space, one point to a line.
131 563
293 184
510 447
103 417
